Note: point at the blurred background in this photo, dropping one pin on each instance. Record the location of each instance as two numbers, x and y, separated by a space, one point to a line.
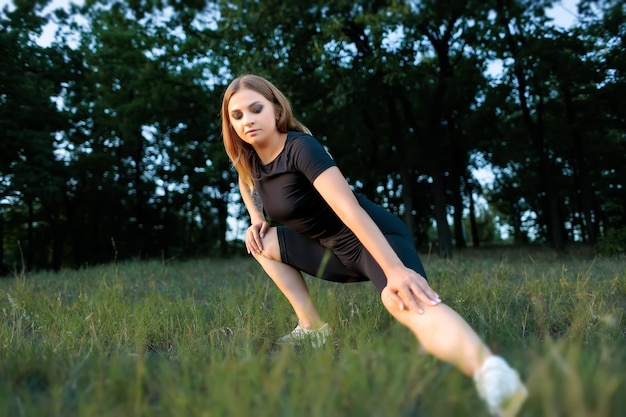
479 123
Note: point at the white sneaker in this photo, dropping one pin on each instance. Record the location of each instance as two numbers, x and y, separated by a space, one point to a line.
317 338
500 387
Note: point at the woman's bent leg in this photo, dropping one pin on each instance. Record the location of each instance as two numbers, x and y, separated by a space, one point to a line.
289 281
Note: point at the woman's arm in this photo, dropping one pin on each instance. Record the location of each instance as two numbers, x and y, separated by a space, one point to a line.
259 226
407 286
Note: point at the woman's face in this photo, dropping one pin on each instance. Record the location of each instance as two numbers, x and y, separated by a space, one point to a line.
253 117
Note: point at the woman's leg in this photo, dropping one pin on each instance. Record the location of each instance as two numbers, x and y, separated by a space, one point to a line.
289 281
440 330
444 334
447 336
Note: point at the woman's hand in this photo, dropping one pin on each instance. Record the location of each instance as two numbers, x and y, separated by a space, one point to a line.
410 290
254 236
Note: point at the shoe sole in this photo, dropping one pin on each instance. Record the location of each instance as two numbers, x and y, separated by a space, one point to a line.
513 404
315 344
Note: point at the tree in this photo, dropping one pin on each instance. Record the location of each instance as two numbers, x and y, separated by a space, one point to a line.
32 176
125 157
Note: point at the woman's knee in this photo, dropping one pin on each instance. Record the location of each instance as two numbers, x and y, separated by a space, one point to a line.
271 247
389 302
403 315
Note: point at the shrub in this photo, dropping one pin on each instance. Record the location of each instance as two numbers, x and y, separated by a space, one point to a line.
612 243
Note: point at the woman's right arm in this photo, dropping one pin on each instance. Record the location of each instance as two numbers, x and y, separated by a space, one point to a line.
259 226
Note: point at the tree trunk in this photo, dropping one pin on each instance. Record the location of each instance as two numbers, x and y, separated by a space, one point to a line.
549 196
58 238
407 176
457 204
407 199
555 226
222 219
582 187
141 233
30 248
3 271
441 215
434 143
457 168
472 213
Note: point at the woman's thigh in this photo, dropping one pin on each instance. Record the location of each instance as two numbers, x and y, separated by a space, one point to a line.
309 256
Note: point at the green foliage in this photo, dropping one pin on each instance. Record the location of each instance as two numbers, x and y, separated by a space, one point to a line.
197 338
111 133
613 243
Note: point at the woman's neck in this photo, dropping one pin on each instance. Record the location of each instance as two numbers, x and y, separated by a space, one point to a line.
272 149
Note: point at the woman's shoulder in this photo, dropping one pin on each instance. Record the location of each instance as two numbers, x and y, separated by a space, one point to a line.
303 146
294 135
301 139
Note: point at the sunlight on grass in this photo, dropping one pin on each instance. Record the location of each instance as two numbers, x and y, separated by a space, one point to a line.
197 338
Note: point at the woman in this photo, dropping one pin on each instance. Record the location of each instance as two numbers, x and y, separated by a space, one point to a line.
329 231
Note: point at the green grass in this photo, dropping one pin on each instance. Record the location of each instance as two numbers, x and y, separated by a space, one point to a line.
196 338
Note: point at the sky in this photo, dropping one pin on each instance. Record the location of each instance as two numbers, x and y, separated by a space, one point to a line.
563 13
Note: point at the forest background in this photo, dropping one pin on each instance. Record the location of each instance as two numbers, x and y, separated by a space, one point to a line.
110 134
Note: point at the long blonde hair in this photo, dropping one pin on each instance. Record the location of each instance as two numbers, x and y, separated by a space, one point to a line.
239 151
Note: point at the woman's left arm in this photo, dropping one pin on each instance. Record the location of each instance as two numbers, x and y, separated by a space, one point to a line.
408 288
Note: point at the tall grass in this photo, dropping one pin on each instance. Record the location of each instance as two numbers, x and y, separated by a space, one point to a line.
196 338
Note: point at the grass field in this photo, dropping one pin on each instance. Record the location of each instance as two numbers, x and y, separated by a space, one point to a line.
196 338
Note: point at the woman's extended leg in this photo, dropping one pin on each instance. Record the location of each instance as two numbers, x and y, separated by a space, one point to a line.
444 334
447 336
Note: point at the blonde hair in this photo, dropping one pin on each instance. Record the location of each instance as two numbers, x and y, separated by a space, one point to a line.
239 151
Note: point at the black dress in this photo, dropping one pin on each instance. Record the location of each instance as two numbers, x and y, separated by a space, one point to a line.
311 236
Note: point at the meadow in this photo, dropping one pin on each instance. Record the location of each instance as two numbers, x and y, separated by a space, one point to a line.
197 338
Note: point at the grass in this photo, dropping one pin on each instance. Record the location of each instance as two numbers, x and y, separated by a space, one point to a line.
196 338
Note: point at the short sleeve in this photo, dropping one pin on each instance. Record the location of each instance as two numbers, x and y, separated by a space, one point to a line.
310 157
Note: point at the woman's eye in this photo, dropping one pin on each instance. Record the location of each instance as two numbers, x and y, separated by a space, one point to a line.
257 109
237 116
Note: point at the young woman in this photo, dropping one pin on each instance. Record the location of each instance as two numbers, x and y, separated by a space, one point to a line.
331 232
